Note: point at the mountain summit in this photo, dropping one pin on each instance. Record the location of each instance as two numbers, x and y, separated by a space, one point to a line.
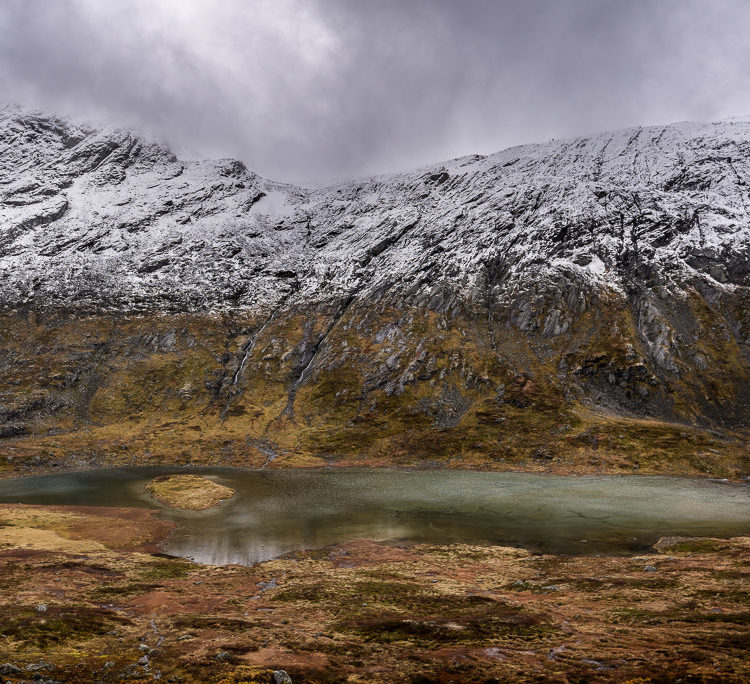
576 302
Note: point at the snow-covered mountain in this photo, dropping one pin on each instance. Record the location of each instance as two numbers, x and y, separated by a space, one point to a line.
102 217
613 268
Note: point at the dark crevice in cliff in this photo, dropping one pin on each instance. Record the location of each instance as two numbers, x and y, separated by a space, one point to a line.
342 309
375 252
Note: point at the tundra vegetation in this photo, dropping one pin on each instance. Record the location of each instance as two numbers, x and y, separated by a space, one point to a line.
86 598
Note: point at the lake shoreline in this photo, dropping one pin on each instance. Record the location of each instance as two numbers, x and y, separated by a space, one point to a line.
445 613
31 471
274 512
105 582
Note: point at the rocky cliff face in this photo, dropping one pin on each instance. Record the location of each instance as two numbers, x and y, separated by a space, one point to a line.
578 304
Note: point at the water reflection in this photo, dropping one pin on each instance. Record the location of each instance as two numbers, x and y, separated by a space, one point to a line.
275 512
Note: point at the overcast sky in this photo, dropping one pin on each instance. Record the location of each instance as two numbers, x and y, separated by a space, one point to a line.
318 90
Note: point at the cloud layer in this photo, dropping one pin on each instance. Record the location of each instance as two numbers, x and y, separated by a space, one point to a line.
317 90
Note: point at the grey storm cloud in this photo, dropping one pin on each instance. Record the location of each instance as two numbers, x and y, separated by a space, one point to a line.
317 90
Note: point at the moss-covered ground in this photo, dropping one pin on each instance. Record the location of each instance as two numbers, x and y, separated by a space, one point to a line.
364 611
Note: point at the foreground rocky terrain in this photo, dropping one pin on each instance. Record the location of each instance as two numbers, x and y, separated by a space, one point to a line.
85 599
577 305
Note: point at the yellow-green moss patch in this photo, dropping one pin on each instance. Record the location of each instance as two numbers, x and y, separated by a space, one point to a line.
188 492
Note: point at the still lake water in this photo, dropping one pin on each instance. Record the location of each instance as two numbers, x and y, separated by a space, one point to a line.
278 511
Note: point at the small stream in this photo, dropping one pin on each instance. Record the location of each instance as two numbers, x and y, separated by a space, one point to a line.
277 511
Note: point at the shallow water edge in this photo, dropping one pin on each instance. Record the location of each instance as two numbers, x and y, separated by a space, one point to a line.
279 511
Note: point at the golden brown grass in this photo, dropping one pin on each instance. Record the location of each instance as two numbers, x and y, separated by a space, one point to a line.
102 391
188 492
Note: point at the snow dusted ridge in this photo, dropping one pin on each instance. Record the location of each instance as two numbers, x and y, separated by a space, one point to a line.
102 219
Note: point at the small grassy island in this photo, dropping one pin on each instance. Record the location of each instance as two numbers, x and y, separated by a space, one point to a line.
188 492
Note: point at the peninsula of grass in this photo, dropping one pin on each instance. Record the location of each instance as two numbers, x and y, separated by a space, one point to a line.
188 492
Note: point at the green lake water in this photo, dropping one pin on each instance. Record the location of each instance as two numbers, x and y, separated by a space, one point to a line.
278 511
